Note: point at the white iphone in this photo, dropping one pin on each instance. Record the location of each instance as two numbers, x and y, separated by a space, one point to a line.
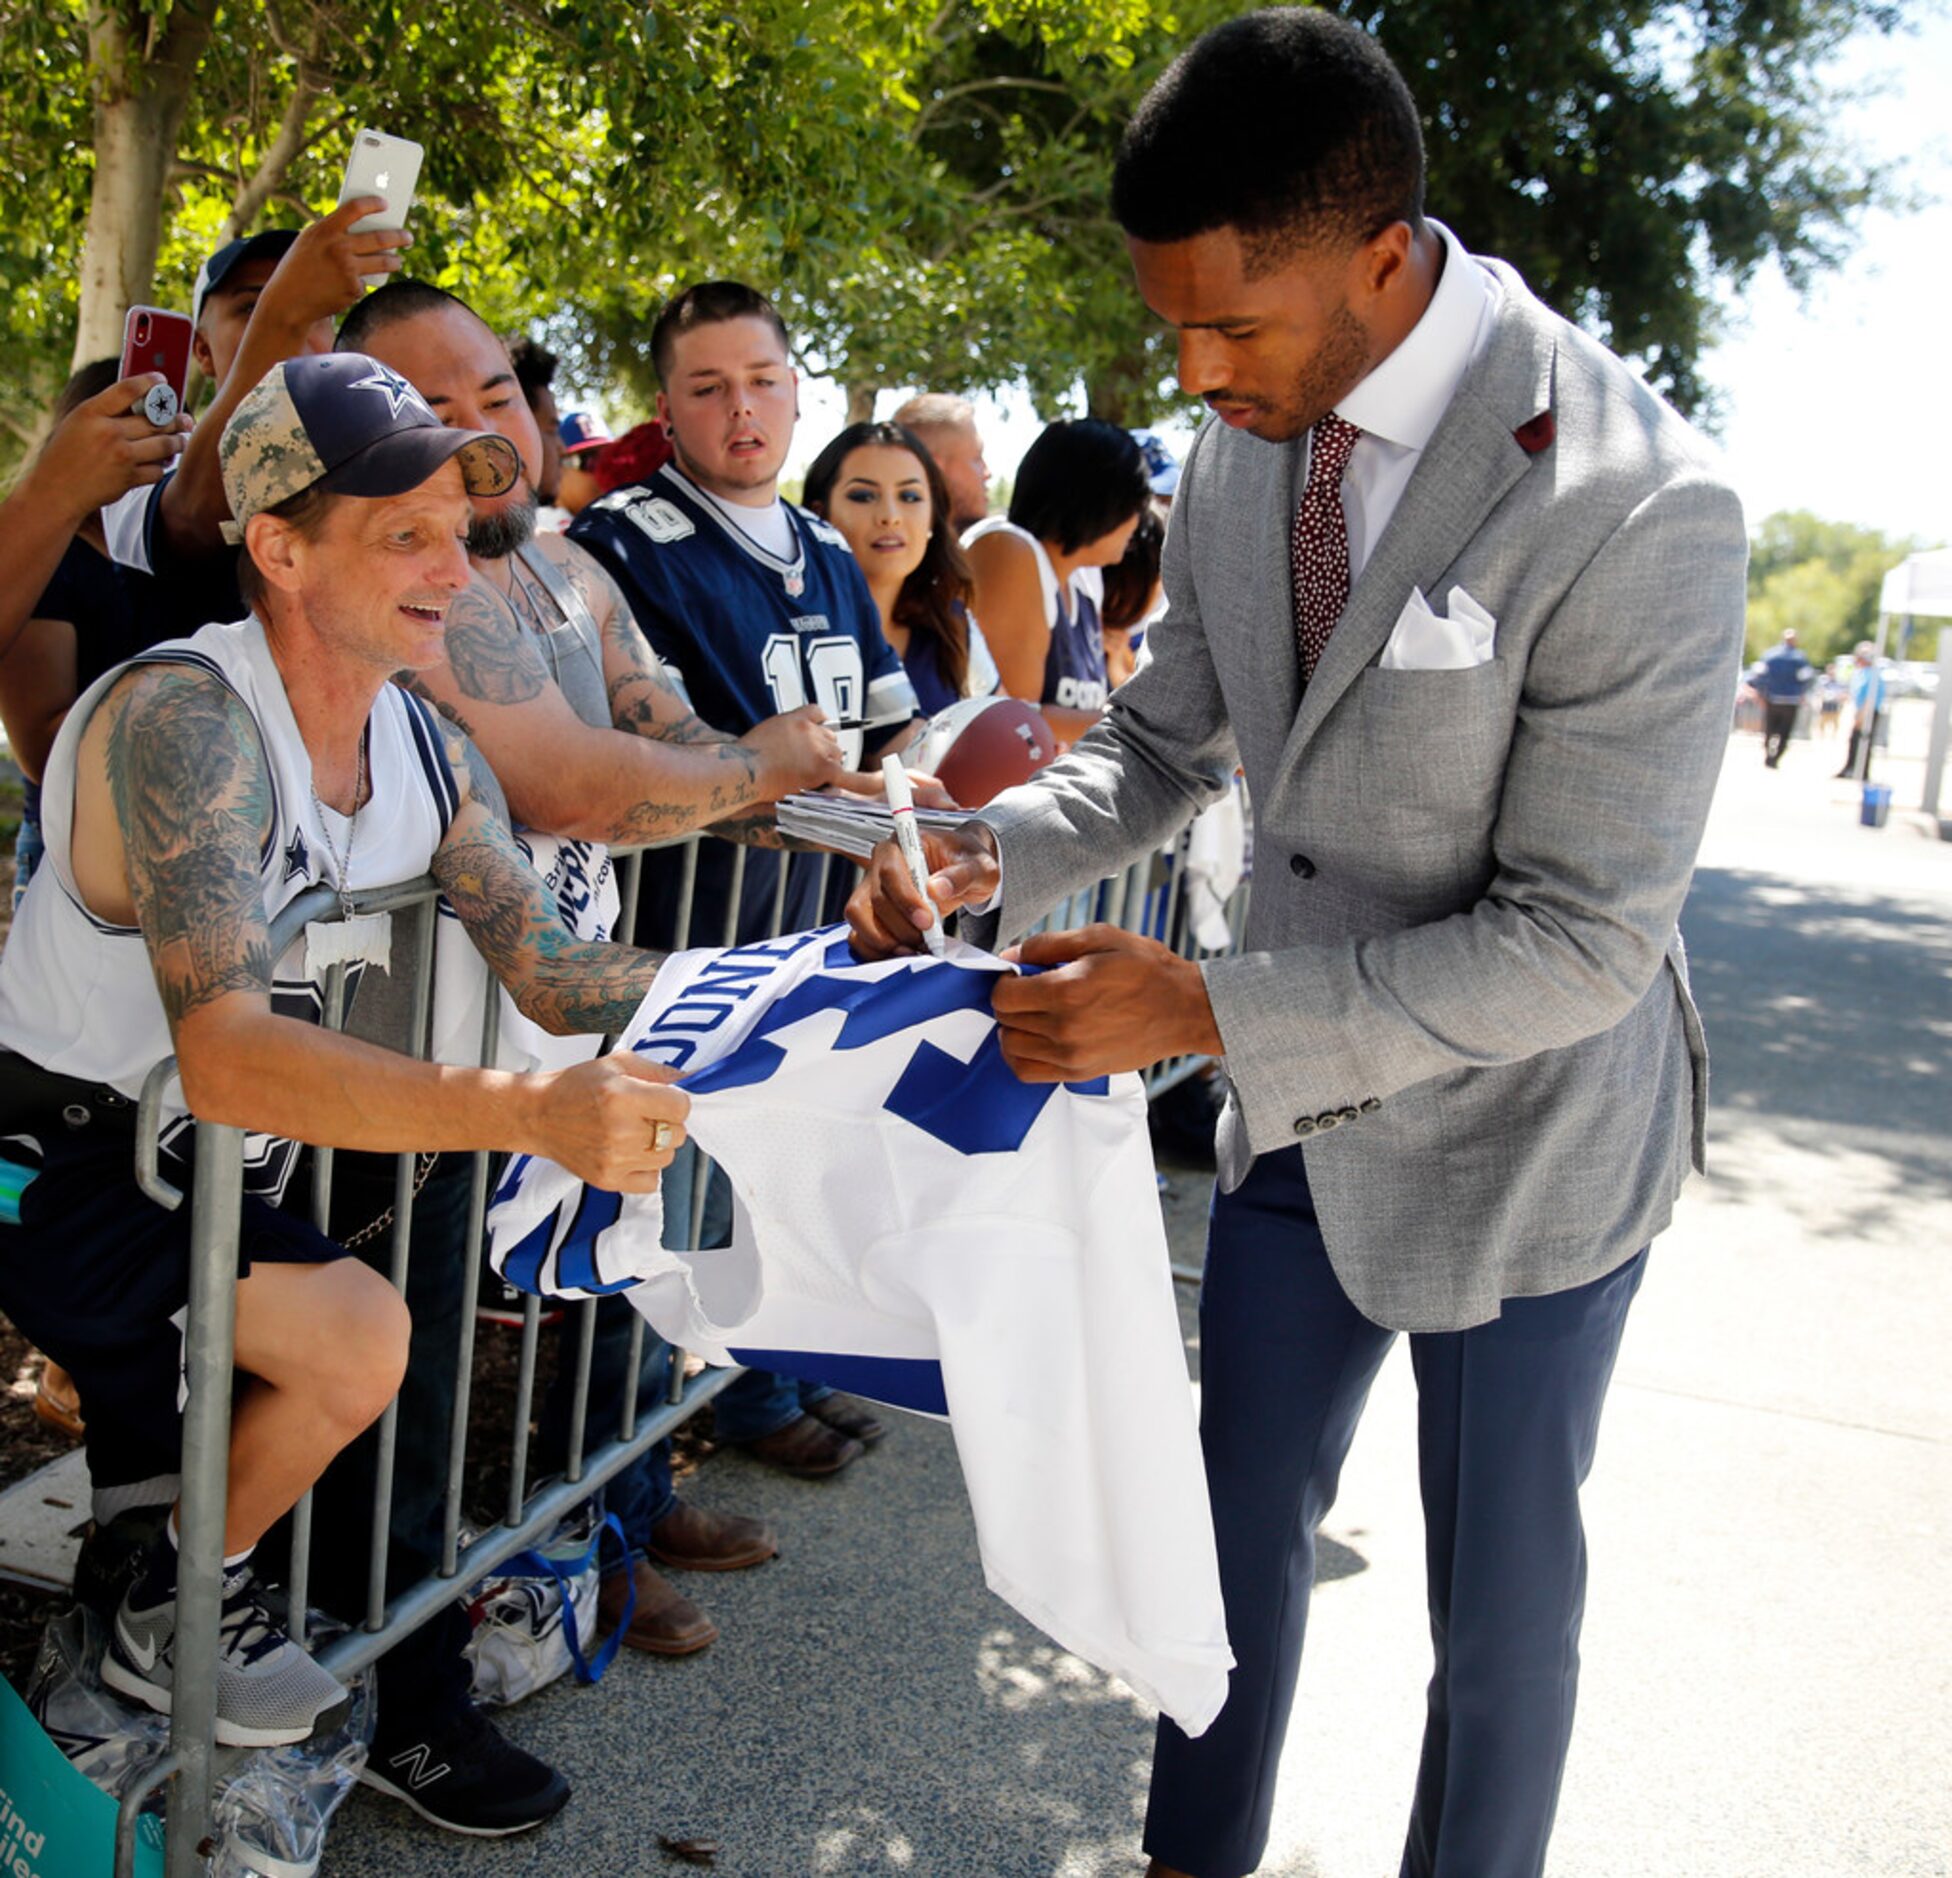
381 166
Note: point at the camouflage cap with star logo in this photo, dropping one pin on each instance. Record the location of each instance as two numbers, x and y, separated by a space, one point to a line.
348 422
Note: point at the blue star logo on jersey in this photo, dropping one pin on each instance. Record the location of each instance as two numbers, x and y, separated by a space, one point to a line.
975 1107
298 857
395 389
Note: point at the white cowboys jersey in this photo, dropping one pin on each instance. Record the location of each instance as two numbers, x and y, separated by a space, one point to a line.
582 880
77 994
917 1225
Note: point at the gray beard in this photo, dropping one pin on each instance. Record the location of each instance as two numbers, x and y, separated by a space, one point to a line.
495 537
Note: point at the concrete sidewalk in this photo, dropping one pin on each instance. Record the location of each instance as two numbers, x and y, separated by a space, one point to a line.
1768 1670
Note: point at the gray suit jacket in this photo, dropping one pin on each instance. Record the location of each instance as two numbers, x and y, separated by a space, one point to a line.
1463 990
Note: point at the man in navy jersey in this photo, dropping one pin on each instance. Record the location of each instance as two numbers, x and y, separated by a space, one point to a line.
758 605
760 608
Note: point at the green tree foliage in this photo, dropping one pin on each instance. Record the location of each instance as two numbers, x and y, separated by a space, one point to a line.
1630 159
1821 579
923 184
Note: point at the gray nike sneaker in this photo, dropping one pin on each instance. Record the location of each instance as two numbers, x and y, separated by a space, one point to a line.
269 1692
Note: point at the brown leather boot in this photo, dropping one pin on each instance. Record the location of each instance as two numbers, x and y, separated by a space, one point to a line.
850 1417
696 1539
665 1622
806 1446
57 1401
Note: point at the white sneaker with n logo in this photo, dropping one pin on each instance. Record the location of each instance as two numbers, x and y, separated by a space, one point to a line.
269 1692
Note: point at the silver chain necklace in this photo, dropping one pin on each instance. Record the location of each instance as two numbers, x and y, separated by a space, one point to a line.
342 863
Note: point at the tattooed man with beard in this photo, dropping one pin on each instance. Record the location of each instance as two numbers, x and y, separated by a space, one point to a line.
595 742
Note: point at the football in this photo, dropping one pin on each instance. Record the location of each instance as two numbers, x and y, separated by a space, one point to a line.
980 747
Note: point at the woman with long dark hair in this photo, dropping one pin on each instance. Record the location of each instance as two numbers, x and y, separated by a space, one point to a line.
879 486
1078 494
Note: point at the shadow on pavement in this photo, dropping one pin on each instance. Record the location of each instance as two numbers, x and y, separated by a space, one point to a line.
1826 1007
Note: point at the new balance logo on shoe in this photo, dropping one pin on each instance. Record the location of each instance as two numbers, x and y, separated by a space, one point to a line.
462 1776
413 1765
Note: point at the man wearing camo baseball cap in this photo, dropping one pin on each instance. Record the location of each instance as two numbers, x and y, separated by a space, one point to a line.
192 795
344 423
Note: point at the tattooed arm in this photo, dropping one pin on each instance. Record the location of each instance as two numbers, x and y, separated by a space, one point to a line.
191 798
565 776
173 804
794 750
563 983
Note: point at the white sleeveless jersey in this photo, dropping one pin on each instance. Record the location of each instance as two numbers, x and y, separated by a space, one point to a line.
917 1225
77 994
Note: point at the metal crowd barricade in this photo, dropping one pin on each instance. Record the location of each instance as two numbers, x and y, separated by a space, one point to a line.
1149 896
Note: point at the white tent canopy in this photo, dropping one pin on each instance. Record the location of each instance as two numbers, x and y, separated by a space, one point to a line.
1920 583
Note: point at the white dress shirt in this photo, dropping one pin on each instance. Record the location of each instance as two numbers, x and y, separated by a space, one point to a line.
1398 406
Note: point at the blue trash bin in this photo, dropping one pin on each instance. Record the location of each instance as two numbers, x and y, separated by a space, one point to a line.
1877 805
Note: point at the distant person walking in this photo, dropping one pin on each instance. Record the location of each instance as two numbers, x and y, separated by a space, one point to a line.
1830 704
1783 677
1866 707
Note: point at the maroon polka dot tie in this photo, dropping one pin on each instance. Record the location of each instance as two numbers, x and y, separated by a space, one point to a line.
1318 558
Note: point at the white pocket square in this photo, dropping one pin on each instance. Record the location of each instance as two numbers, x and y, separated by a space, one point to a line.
1425 641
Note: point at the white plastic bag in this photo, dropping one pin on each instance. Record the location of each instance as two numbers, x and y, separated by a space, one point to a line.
535 1618
271 1808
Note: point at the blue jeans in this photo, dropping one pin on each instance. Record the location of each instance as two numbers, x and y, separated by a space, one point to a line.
1507 1421
28 845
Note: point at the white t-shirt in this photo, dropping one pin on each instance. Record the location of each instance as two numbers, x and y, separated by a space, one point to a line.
770 527
128 524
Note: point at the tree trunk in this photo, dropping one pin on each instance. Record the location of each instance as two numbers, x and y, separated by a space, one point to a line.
1110 395
142 88
860 403
287 144
1125 389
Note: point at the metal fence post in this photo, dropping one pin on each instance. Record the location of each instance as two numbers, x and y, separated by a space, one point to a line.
214 1208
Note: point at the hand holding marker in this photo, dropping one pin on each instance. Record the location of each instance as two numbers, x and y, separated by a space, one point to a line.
901 802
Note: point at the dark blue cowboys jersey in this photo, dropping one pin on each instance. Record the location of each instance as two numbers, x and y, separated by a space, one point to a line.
750 636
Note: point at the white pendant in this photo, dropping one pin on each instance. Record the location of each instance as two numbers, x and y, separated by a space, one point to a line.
366 938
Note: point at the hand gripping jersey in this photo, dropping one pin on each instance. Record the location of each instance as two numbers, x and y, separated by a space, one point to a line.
915 1224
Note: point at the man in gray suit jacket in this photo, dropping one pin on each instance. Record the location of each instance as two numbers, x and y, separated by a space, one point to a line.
1465 600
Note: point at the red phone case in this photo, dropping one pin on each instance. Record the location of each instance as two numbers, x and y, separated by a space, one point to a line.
157 341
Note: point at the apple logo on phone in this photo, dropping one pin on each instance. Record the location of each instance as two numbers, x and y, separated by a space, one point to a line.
383 181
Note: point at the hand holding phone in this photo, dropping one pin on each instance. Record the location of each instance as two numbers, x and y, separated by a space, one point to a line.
322 274
386 167
157 341
102 449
